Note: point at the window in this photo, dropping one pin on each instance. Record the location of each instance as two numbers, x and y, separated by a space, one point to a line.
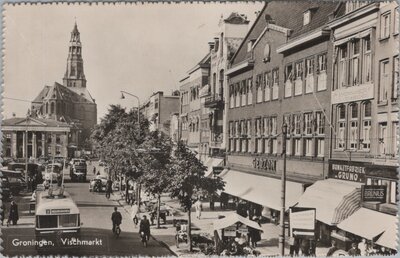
395 77
7 137
297 146
52 107
367 64
243 88
214 85
342 68
320 119
353 133
258 133
382 132
221 83
47 221
308 147
365 143
156 103
267 84
259 88
237 140
273 126
308 123
354 63
231 136
231 96
274 141
309 75
297 124
341 127
248 132
237 95
385 25
288 80
396 21
393 192
320 147
267 132
275 82
68 220
249 91
306 17
298 84
395 129
384 80
249 45
286 119
243 135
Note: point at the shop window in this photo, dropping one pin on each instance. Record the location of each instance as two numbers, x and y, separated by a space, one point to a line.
384 80
353 133
259 88
365 140
288 80
367 64
341 127
320 147
382 134
385 25
395 77
275 84
309 75
267 86
249 91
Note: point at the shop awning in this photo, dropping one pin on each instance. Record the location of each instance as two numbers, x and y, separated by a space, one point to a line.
389 237
368 224
210 163
234 218
262 190
334 200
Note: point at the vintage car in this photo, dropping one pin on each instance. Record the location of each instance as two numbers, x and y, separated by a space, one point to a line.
98 184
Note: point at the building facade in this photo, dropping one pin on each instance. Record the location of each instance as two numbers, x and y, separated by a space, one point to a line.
158 110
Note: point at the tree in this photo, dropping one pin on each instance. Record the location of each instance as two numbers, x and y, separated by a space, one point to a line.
188 181
155 161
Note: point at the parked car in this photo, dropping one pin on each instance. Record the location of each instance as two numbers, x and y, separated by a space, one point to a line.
98 184
14 181
5 189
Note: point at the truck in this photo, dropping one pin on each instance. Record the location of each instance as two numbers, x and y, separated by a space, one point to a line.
78 170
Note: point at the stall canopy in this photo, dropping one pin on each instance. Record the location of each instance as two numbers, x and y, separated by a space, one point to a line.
210 163
334 200
389 237
234 218
368 224
262 190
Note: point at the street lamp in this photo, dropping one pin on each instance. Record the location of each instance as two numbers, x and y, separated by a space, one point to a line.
283 192
138 111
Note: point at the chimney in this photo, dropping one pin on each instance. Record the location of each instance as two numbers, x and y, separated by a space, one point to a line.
211 45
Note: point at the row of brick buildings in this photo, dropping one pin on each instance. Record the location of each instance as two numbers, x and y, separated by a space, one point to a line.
327 70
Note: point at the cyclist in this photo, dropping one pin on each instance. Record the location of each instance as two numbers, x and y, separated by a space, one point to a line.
116 219
145 228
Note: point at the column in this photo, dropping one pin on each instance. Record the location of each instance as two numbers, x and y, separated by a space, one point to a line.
44 144
14 144
34 145
24 135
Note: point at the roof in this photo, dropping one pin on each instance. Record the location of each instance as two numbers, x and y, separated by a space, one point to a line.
232 219
55 204
204 62
288 15
60 92
235 18
18 121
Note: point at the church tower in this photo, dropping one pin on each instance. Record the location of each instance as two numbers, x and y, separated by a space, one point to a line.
74 76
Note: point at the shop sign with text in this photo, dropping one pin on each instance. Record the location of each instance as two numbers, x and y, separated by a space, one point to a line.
374 193
265 164
347 170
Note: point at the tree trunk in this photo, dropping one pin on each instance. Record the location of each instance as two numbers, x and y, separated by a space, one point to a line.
158 210
189 229
126 189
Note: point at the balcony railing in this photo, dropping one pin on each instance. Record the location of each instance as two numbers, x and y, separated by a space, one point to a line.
214 101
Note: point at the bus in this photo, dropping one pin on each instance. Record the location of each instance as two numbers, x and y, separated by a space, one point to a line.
57 219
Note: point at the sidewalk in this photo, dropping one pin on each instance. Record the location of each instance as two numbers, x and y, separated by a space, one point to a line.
268 246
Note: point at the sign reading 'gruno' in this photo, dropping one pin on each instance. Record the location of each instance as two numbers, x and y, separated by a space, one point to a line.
347 170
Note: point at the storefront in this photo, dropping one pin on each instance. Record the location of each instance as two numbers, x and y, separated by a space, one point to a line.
211 163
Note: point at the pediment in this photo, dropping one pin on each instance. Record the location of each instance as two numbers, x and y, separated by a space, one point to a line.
30 122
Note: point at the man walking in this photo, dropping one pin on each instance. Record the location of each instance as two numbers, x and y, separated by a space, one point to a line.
13 215
198 206
116 218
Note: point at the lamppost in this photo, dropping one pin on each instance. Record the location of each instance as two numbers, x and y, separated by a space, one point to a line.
26 152
138 111
283 192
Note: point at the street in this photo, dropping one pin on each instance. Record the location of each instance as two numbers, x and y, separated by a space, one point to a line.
95 212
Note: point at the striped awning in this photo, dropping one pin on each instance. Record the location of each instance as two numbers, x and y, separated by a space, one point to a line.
334 200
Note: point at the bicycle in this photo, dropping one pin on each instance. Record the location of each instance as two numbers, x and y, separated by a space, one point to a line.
117 231
144 238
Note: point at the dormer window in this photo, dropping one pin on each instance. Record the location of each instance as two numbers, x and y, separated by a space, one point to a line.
306 17
250 45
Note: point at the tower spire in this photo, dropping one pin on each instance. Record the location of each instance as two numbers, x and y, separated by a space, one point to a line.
74 75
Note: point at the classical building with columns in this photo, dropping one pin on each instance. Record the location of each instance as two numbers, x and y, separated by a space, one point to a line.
61 118
35 137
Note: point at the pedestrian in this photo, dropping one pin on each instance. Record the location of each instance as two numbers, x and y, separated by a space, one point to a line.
305 247
312 247
2 212
108 188
354 250
134 213
364 247
333 248
254 236
13 215
94 170
198 206
294 246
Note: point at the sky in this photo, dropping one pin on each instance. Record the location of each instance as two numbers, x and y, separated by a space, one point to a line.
139 48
